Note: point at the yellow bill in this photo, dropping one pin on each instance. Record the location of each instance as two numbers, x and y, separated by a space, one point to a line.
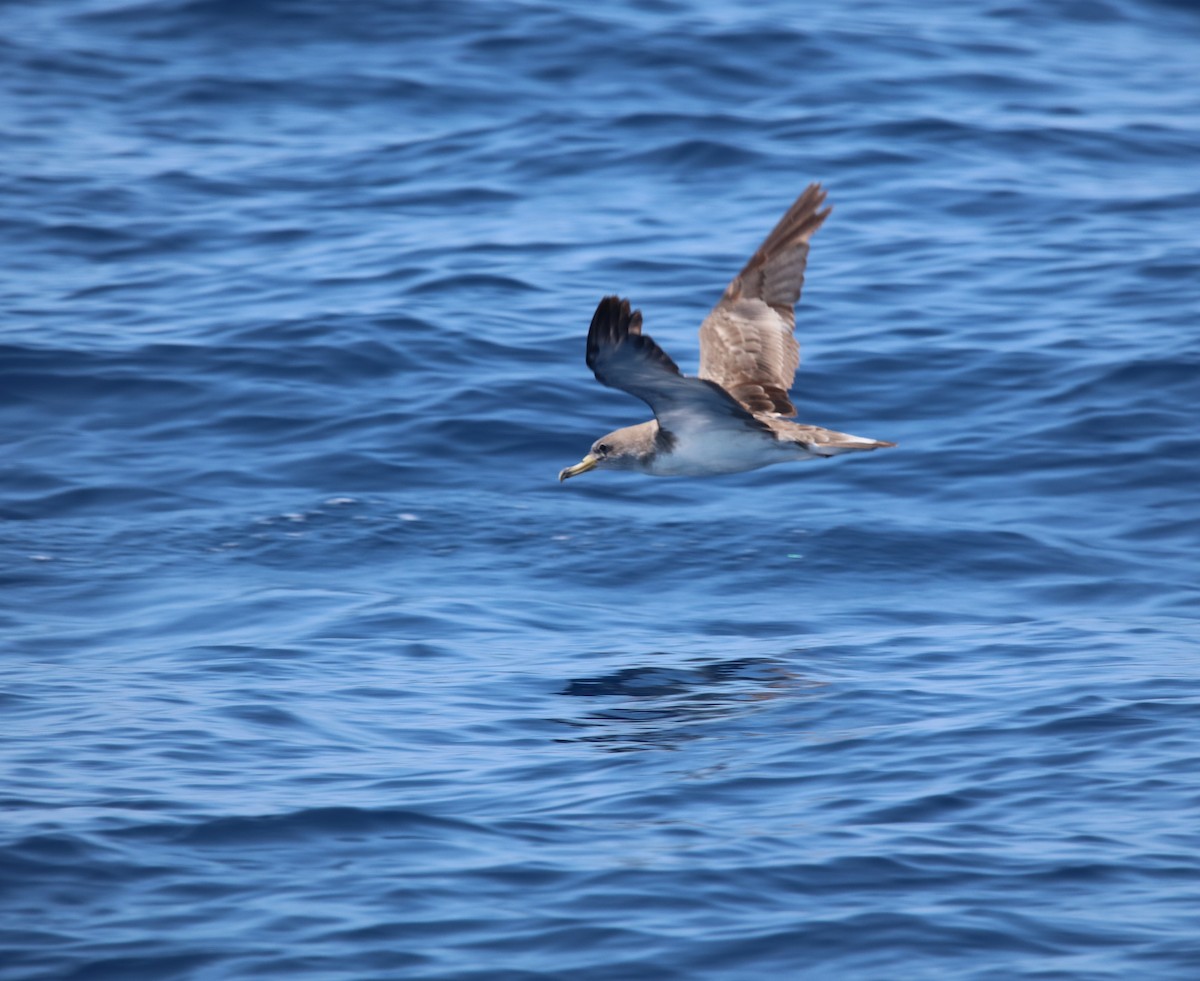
583 466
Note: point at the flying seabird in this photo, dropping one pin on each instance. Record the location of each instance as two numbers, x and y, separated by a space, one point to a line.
734 416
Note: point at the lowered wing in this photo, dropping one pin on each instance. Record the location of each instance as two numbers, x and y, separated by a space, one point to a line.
621 356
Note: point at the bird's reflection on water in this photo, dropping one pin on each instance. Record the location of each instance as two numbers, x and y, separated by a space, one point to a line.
663 704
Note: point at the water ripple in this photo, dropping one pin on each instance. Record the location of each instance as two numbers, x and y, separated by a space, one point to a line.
314 669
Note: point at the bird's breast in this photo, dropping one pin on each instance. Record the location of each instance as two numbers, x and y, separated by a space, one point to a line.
722 451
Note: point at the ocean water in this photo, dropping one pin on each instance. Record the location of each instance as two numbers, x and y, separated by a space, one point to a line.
311 668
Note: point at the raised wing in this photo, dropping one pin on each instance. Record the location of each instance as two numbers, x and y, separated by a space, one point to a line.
747 343
621 356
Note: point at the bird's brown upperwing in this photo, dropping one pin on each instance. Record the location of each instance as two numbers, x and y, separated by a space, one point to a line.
748 343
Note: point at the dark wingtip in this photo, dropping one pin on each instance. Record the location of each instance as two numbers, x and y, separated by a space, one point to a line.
612 322
614 315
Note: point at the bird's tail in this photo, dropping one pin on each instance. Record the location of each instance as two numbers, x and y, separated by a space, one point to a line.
825 442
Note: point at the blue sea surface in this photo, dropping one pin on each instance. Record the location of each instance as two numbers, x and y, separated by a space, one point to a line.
313 670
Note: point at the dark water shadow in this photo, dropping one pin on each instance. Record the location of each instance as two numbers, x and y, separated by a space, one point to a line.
660 705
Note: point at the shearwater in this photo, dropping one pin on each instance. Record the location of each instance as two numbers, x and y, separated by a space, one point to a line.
735 415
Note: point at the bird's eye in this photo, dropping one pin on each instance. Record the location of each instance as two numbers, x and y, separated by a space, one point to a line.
602 449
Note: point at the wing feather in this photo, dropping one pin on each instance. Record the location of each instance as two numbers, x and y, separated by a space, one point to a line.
621 356
747 343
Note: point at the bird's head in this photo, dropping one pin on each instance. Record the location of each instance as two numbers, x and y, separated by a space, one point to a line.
623 449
